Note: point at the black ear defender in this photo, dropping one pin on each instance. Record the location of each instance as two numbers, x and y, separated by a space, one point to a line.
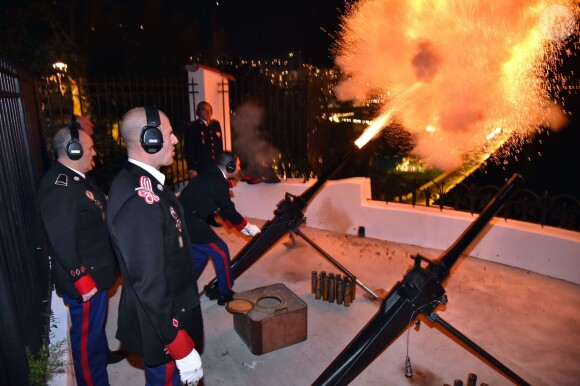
74 149
231 166
151 137
228 160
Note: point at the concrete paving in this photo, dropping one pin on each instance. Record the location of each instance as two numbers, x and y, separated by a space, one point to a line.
527 321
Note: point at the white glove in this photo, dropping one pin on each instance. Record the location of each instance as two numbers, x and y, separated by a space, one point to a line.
250 230
190 371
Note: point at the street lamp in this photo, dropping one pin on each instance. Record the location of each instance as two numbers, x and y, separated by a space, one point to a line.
60 67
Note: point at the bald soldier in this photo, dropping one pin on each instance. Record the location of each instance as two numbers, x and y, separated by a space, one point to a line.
83 262
159 312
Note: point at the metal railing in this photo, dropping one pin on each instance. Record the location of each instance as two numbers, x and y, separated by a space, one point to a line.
24 275
561 210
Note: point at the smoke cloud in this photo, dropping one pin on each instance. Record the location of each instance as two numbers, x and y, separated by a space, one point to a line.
249 143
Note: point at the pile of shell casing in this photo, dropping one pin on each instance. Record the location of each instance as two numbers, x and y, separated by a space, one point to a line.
333 288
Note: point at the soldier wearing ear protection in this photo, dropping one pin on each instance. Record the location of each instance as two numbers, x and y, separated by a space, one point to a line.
159 313
203 140
83 262
206 194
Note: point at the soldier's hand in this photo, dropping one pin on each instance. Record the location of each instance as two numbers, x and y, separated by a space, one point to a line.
89 295
250 230
190 370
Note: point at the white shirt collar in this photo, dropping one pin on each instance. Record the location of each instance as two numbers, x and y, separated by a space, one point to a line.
154 172
74 170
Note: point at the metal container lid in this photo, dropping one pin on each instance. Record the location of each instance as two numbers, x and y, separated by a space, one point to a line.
239 306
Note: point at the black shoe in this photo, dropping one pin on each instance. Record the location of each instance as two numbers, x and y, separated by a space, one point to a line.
224 298
116 356
211 293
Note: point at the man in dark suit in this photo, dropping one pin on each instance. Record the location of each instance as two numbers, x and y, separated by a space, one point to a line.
83 265
159 313
202 140
204 195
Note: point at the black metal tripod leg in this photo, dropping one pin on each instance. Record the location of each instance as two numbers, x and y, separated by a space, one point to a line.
494 362
336 263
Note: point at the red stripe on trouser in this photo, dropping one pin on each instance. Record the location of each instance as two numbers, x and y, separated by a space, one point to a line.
169 372
225 261
85 344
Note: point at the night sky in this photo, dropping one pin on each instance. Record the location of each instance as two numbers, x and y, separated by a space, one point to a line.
269 29
116 37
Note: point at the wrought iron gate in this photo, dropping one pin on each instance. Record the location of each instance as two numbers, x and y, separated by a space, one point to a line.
24 274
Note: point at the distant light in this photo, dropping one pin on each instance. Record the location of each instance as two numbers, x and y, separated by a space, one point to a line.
141 27
60 66
430 128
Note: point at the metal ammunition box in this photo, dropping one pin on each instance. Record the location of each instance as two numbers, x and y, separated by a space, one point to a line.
278 319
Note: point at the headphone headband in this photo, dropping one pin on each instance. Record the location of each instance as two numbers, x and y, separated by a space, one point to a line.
151 137
74 149
152 114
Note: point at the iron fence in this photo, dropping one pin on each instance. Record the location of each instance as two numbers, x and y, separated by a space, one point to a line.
561 210
24 275
295 116
105 102
296 110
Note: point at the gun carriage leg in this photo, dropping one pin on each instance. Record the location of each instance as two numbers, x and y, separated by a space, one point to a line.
488 357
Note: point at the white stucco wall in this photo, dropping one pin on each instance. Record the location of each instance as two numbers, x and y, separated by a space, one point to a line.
343 206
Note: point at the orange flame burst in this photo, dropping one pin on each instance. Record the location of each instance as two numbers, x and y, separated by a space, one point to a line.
464 75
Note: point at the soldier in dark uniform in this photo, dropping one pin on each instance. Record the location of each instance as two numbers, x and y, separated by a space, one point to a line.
204 195
159 312
202 140
83 265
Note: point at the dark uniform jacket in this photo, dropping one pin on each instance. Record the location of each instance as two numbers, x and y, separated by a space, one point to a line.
203 144
204 195
73 212
159 299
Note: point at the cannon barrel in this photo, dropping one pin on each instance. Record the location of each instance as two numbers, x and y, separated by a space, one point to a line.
287 216
420 292
453 253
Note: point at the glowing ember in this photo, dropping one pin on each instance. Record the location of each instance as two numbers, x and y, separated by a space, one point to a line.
457 70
